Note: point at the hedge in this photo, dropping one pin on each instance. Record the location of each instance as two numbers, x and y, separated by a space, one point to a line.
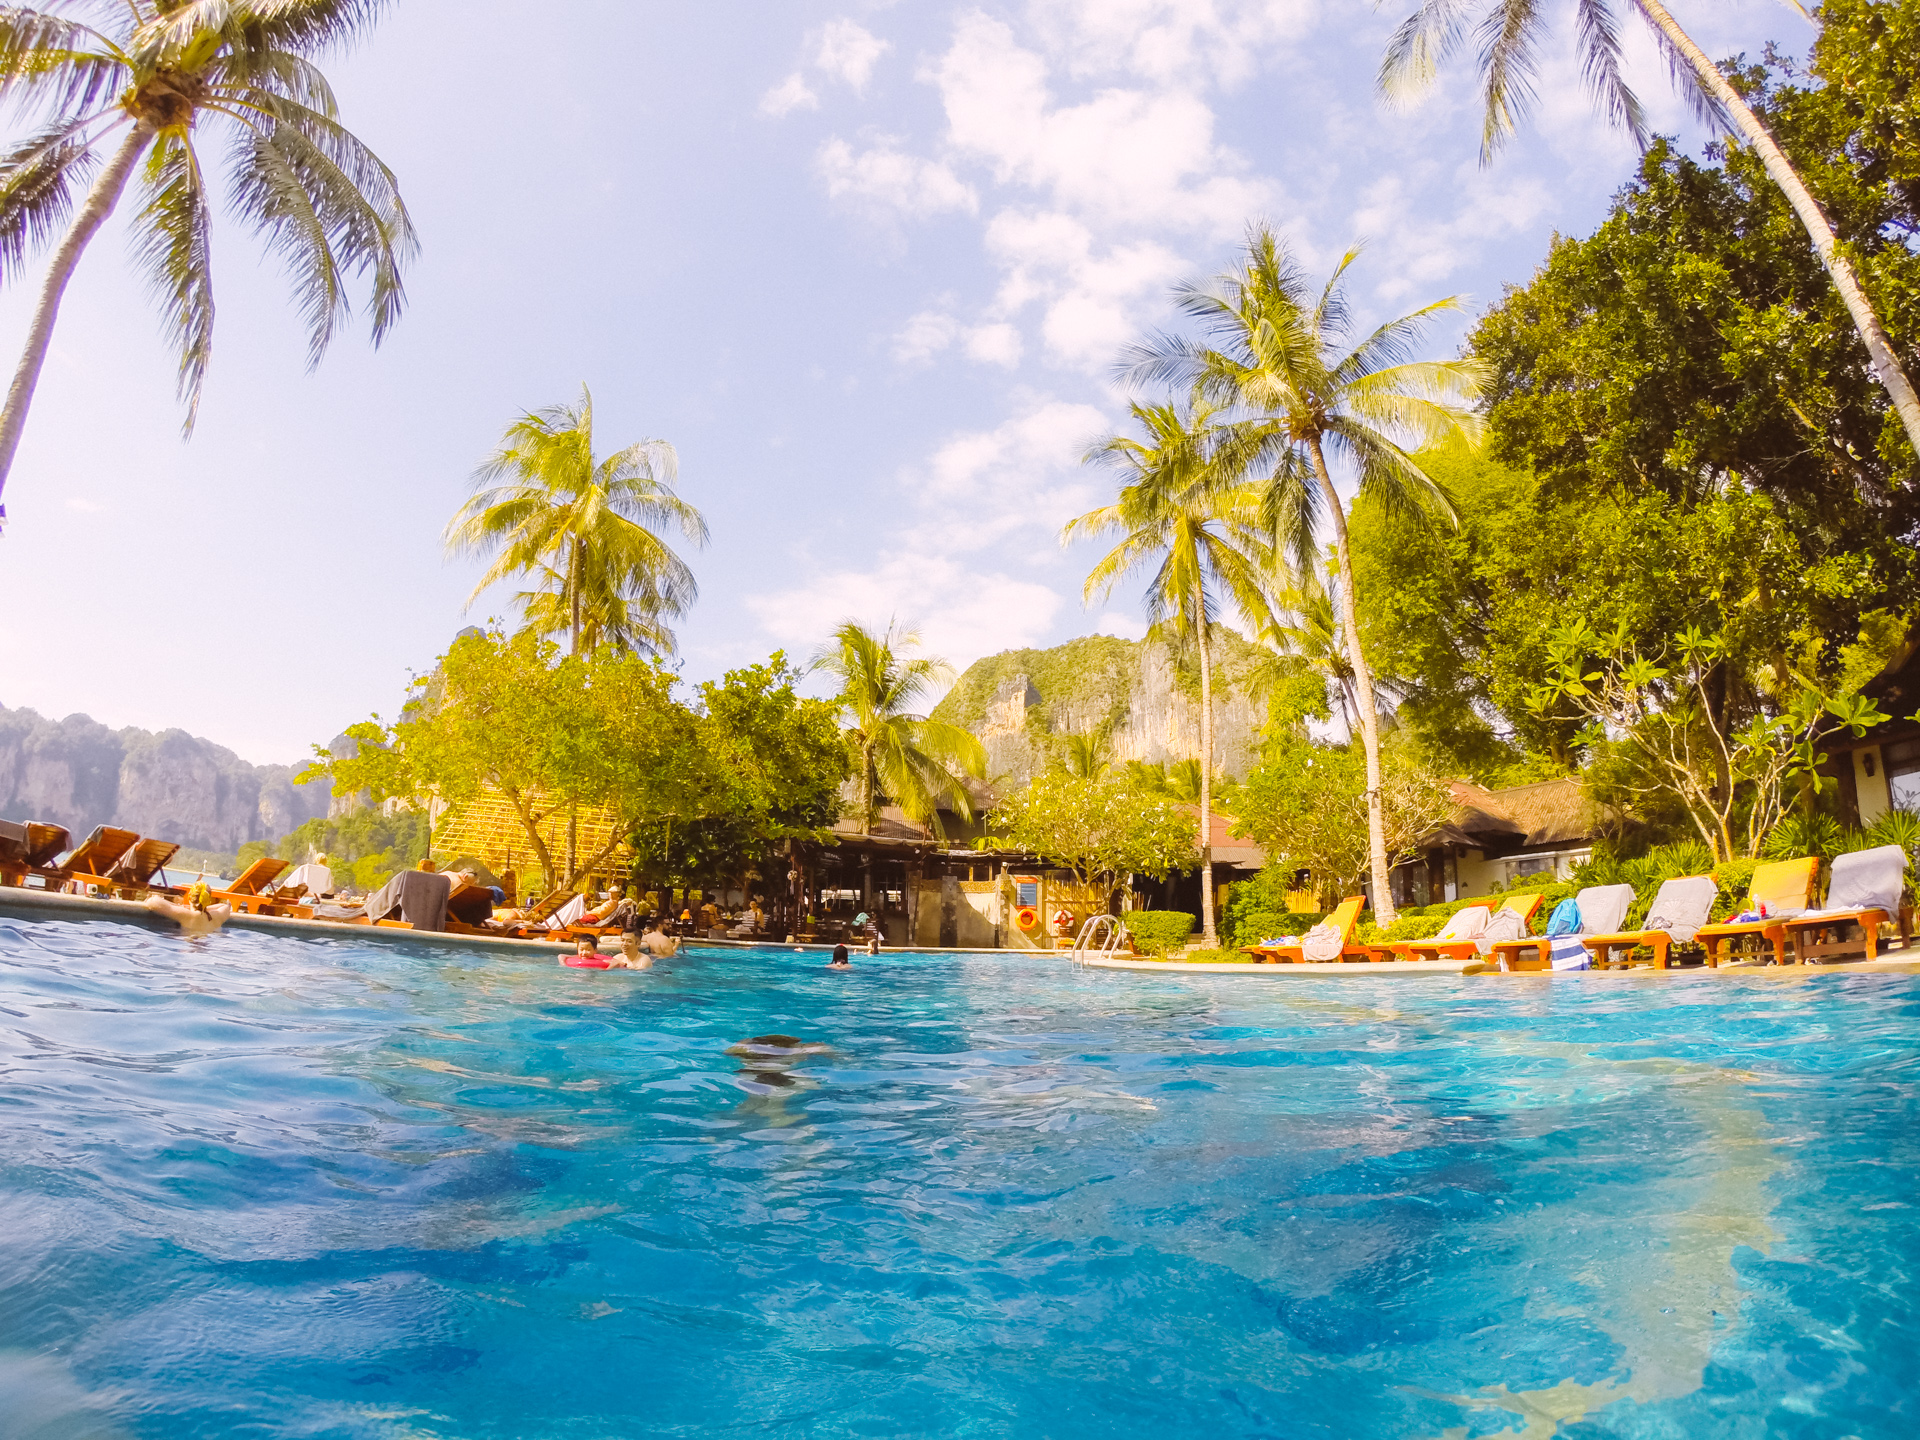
1161 929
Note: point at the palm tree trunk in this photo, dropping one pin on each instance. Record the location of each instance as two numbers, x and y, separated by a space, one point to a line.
100 202
1208 937
575 564
1368 717
1886 363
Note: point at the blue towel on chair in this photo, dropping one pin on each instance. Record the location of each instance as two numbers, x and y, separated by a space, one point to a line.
1567 953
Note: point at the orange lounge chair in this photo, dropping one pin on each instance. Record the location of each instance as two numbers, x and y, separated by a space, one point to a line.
537 916
1783 888
1344 917
28 847
95 857
1434 948
137 872
1865 893
253 892
1602 908
1680 907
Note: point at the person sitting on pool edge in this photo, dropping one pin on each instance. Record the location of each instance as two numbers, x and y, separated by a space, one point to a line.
839 960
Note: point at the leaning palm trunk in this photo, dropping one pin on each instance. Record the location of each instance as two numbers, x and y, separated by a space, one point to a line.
1207 936
1368 717
100 202
1886 364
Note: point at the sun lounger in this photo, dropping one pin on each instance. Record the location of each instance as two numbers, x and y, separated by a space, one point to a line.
1864 894
28 848
1602 908
138 872
254 893
95 857
1344 917
1680 907
1448 944
417 897
1779 891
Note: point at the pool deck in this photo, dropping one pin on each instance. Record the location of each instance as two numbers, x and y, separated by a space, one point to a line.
1905 961
44 905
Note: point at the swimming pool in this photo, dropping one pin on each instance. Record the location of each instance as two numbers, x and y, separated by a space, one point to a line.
273 1187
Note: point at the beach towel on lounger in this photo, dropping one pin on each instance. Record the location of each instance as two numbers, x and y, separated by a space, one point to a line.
1603 909
419 895
1465 924
1501 925
1873 879
1682 907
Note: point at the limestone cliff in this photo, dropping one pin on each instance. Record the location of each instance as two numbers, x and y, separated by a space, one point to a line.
77 773
1148 700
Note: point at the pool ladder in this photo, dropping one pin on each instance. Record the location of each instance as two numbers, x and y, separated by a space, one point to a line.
1101 935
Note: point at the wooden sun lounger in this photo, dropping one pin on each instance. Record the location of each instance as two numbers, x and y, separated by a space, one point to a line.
136 873
253 893
1659 942
31 850
1432 949
1812 937
95 857
1344 917
1784 886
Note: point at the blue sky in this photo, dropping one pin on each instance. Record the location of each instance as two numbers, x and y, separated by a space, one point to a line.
867 266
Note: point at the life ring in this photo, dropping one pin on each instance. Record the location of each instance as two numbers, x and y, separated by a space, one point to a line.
1063 922
1026 917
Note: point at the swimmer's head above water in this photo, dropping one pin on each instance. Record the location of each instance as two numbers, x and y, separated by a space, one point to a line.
839 961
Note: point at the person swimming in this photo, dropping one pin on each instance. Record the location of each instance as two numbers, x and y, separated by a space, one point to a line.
839 960
586 956
196 912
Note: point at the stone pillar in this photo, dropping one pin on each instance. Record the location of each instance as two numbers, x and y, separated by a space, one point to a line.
949 909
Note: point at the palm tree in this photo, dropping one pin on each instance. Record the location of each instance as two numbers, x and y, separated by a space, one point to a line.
1200 536
1176 780
919 764
584 530
155 79
1086 756
1508 31
1301 631
1273 352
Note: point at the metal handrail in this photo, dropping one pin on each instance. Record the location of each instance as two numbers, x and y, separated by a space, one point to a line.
1090 940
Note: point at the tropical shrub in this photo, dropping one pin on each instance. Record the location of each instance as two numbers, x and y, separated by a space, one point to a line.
1157 931
1251 927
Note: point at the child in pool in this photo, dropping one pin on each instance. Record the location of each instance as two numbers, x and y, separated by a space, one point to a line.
586 956
839 960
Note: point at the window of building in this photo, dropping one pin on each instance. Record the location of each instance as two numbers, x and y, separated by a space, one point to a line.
1902 760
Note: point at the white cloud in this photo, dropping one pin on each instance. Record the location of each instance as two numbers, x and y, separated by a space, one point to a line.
1168 40
995 345
1093 301
888 176
961 613
86 507
1139 156
1127 627
849 51
792 93
925 336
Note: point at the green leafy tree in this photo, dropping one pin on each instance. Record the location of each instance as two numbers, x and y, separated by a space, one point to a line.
1201 541
898 754
585 530
1275 352
1307 804
141 85
1103 830
1731 771
549 734
1509 31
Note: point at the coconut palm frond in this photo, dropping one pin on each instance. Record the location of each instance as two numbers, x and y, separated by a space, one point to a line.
175 235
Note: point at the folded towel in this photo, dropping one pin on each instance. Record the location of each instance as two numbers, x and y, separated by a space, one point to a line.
1322 943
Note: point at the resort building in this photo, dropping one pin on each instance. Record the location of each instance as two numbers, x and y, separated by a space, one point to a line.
1880 771
1497 836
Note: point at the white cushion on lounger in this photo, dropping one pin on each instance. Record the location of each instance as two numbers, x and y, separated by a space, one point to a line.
1866 880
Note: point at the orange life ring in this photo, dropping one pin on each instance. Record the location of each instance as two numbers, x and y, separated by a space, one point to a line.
1063 922
1026 917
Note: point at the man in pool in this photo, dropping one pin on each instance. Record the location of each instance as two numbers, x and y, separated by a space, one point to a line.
839 960
586 956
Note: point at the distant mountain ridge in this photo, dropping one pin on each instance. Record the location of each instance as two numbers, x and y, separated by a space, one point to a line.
77 773
1017 700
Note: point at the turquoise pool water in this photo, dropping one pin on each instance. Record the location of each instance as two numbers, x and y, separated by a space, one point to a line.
253 1186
